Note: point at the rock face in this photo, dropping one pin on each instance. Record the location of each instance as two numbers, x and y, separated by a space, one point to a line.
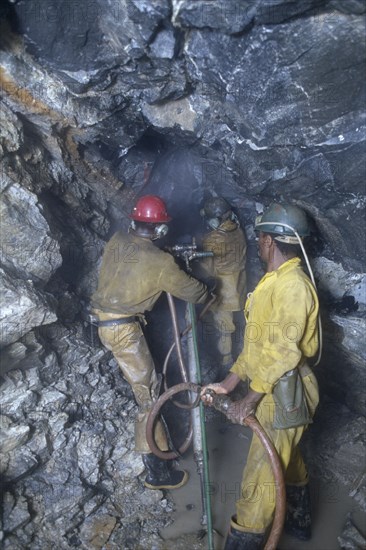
102 101
29 258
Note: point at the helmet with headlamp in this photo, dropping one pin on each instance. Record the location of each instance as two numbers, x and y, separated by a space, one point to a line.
286 222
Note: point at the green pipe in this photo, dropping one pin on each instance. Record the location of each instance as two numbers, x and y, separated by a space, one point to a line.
206 475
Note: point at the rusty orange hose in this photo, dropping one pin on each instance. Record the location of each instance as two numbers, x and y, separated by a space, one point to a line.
177 337
280 509
168 455
176 332
254 425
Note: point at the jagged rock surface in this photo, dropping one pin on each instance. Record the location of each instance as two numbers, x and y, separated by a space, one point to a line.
101 101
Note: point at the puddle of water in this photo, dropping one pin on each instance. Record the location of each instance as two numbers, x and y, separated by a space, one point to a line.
228 446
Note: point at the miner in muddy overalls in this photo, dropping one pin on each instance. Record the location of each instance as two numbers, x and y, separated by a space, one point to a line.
227 267
134 273
281 335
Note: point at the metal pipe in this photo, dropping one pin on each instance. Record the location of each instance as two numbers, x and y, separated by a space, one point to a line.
183 370
185 331
221 403
199 431
176 332
177 344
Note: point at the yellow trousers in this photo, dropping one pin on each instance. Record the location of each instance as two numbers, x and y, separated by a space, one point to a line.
255 507
129 347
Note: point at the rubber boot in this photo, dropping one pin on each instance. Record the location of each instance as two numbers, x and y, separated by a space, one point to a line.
298 516
161 475
242 540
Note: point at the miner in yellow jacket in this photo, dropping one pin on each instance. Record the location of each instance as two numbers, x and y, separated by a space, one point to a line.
226 267
281 334
133 275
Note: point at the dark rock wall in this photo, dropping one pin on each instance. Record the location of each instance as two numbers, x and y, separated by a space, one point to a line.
103 100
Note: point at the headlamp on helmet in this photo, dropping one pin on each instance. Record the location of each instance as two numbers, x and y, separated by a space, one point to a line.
289 224
286 222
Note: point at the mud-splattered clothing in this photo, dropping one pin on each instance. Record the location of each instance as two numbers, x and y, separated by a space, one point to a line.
133 275
281 333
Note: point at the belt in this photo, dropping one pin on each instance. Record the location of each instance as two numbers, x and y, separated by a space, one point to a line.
120 321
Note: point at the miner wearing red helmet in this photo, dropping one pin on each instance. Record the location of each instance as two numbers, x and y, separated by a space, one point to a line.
150 209
133 275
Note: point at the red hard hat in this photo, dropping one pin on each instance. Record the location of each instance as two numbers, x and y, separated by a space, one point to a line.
151 209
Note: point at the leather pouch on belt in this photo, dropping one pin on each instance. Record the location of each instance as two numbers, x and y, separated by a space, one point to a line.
291 409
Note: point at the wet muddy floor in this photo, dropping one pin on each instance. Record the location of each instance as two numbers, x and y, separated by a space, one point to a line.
228 446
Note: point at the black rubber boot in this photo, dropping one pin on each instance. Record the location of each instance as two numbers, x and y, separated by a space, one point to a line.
243 540
298 516
161 475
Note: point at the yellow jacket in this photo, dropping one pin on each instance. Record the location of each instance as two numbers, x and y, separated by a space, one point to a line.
134 273
227 265
281 329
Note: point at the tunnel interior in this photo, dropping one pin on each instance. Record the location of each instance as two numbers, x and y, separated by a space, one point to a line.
102 103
